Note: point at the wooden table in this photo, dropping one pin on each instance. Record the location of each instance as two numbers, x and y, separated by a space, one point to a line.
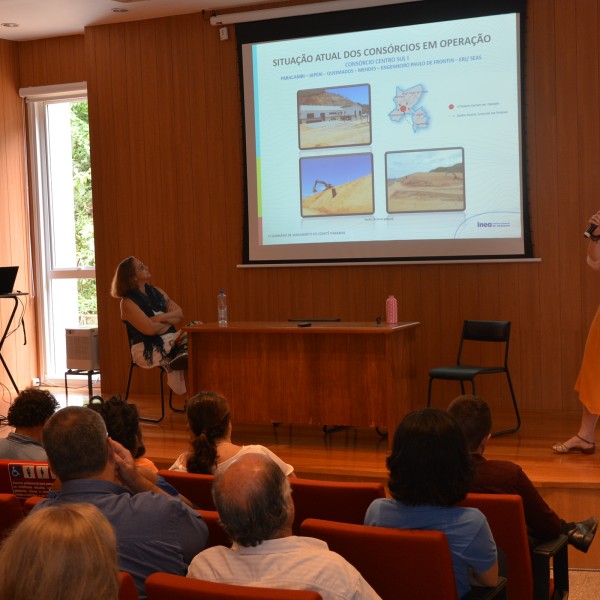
336 373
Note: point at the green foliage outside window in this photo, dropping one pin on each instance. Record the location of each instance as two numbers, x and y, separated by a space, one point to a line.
84 211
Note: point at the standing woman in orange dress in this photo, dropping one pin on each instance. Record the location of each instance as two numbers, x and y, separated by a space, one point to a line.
587 381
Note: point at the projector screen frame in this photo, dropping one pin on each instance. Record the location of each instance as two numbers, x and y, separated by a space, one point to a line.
372 18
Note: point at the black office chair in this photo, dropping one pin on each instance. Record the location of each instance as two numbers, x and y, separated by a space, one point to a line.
478 332
161 371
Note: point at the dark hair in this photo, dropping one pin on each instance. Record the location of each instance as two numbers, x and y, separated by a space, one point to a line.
474 416
122 422
208 417
261 506
429 463
124 278
32 408
75 440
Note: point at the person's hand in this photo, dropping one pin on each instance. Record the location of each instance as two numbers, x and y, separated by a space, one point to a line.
126 469
595 219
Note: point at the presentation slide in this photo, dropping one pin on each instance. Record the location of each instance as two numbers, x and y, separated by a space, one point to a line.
403 142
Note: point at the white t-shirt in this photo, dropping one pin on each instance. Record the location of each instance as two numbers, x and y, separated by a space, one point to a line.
293 562
181 463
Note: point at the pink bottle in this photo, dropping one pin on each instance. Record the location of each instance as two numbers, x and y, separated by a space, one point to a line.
391 310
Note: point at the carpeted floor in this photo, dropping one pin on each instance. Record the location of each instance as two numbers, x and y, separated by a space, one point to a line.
584 584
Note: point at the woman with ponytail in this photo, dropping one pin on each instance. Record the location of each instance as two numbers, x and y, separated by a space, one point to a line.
212 450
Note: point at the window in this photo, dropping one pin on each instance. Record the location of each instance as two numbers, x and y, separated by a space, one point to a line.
63 218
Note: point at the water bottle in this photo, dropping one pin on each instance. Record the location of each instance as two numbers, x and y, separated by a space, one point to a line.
222 309
391 310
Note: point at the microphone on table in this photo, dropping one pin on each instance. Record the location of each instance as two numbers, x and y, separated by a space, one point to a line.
590 230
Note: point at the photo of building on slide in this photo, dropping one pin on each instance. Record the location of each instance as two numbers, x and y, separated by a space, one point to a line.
425 180
332 117
337 185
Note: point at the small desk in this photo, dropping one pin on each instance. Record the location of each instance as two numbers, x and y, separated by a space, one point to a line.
360 374
15 298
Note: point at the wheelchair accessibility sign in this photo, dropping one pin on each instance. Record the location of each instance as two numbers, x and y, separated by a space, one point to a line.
31 472
30 479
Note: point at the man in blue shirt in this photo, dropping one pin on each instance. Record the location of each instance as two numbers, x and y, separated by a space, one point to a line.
155 531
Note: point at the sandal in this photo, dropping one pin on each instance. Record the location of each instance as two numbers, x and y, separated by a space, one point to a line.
564 449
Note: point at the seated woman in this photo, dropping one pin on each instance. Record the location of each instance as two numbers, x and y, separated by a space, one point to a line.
150 317
64 552
123 425
430 471
212 450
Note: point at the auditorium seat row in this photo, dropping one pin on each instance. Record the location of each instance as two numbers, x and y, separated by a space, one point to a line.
347 502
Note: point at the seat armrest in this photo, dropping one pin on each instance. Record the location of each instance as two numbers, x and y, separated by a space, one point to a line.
551 547
557 550
488 593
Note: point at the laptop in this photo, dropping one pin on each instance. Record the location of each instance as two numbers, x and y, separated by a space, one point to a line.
8 276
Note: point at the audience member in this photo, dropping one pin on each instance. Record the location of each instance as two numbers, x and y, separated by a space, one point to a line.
155 531
60 553
212 450
254 501
430 472
28 415
504 477
123 425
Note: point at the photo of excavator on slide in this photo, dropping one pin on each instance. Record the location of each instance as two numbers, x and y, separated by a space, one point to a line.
352 198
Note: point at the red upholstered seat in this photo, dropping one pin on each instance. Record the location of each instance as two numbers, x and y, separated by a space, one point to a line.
196 487
127 589
393 561
216 534
11 513
160 586
398 563
344 501
506 518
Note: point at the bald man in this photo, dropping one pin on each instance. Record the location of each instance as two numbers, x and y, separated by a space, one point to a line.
255 506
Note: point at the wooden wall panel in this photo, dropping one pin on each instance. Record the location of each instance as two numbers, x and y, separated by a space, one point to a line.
168 187
14 225
51 61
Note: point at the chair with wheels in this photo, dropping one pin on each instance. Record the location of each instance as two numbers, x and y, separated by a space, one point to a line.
397 563
163 586
528 570
475 335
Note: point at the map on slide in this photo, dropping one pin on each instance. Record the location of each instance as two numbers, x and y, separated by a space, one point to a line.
407 107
